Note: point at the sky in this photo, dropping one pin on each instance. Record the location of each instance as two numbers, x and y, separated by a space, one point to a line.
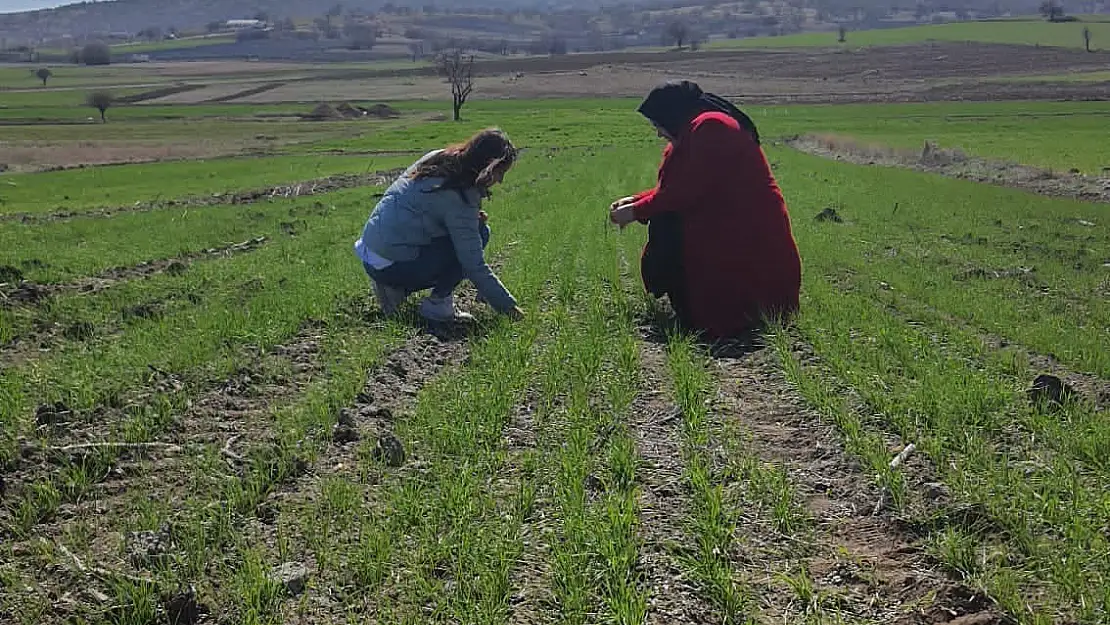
13 6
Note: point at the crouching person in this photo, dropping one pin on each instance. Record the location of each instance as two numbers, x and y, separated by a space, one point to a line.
429 232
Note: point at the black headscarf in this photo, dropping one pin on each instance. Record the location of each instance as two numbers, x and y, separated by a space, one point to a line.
672 105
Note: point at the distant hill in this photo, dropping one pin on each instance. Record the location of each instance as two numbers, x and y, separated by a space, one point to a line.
594 22
130 16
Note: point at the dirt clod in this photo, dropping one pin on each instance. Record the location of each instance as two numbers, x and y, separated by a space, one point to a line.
183 608
291 575
10 274
389 450
52 414
142 311
343 434
80 331
346 418
266 512
830 214
146 549
177 267
1050 390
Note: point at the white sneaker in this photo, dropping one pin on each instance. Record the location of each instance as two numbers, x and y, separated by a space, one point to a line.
442 310
389 298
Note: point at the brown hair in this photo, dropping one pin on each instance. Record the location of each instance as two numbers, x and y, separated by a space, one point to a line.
471 164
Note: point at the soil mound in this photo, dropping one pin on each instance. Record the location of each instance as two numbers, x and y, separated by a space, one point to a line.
325 111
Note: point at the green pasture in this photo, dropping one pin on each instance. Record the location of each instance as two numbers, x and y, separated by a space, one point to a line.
1031 32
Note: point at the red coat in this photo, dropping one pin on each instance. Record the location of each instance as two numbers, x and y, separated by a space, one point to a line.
739 255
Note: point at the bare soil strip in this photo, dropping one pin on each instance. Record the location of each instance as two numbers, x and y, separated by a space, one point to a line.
956 164
533 602
860 562
664 498
45 335
247 92
317 186
27 292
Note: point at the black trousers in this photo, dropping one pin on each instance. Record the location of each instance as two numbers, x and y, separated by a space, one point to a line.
661 264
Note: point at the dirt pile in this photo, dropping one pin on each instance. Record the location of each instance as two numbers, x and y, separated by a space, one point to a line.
325 111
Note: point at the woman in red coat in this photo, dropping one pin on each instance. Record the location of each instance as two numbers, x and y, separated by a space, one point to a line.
719 244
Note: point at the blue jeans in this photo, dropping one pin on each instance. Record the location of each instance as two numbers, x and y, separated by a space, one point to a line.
436 267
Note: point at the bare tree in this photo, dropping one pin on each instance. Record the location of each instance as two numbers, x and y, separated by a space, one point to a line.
1086 41
334 11
695 41
843 34
458 68
1052 10
101 100
44 74
416 49
360 35
678 31
96 54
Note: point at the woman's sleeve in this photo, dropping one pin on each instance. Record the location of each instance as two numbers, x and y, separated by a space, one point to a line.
683 175
464 228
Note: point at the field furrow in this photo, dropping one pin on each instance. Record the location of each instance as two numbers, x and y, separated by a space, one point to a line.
109 191
167 518
832 546
1025 268
1027 511
954 163
32 293
666 507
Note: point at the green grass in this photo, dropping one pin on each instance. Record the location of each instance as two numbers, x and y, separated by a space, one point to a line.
69 107
522 496
38 102
170 44
124 185
1057 136
1027 32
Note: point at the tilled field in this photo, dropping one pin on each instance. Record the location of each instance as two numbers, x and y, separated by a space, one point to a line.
930 72
229 432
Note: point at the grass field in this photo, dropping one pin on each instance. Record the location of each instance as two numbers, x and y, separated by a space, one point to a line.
172 44
1031 32
195 394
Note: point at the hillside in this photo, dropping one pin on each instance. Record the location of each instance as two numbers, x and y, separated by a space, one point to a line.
126 18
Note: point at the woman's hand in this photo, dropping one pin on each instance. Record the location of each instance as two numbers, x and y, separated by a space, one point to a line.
622 202
622 215
483 217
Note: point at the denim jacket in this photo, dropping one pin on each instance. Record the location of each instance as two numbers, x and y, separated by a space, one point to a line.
410 215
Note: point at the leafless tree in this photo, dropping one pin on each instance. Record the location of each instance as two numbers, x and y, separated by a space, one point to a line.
678 31
101 100
334 11
1086 41
360 35
44 73
458 68
96 53
1051 10
843 32
416 49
